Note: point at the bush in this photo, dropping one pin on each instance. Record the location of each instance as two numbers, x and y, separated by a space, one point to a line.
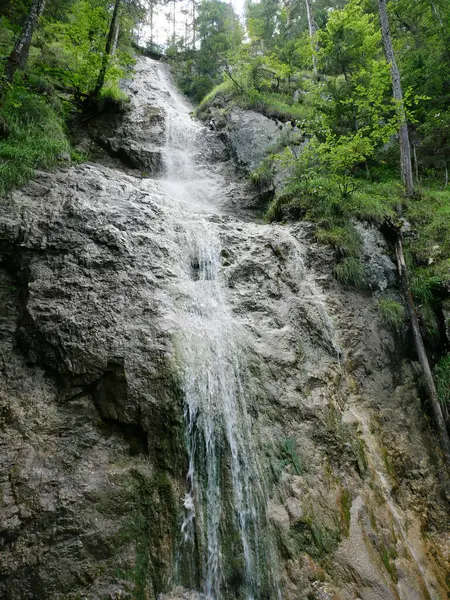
314 199
263 174
34 137
350 272
392 313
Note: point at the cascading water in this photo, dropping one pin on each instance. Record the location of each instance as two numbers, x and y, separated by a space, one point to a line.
224 505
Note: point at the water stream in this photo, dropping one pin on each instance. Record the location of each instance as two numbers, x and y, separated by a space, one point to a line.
224 503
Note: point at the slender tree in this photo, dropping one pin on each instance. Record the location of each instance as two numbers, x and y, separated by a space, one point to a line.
312 32
108 49
405 150
19 55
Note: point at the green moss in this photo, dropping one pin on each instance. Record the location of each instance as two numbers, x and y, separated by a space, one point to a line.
386 557
315 540
289 456
389 466
393 314
151 530
345 504
350 272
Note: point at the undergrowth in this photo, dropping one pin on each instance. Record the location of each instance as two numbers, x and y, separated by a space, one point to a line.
271 104
33 136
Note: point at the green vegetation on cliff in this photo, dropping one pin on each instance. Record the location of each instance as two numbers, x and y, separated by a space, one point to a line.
56 77
330 78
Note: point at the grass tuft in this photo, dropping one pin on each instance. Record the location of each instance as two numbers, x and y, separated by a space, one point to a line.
350 272
392 313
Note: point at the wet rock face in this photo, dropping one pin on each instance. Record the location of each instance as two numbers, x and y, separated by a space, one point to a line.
87 392
136 135
92 448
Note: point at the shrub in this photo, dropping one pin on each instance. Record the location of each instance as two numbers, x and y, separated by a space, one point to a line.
312 198
263 174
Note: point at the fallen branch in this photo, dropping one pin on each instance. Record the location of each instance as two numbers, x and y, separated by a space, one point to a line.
227 71
420 349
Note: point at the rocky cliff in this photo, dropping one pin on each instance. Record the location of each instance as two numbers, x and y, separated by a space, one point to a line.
100 266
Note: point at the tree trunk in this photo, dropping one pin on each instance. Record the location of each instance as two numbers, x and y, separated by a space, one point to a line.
174 21
416 163
194 24
19 55
312 32
116 39
420 349
151 24
108 49
405 150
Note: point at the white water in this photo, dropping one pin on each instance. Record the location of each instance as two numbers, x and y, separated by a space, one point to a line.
223 467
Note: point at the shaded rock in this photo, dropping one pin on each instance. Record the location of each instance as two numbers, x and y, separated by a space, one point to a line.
380 271
250 135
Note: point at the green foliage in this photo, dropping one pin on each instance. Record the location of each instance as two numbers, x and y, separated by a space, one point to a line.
343 237
392 313
350 272
345 503
219 32
64 61
386 557
34 136
263 174
289 456
317 541
441 373
70 51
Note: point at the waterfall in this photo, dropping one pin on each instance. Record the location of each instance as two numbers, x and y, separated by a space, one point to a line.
224 504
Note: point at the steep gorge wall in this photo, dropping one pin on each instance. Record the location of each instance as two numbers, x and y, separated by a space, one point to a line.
91 412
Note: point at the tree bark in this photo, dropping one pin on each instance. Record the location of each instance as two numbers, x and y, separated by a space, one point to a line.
108 49
151 24
174 21
312 32
19 55
116 39
194 24
420 349
405 150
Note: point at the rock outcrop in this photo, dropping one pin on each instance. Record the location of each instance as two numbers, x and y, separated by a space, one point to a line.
92 451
